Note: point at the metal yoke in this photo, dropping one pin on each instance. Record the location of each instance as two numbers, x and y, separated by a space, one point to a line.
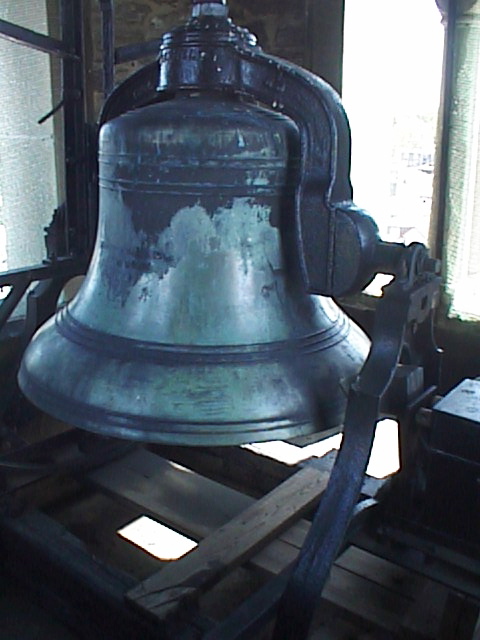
339 246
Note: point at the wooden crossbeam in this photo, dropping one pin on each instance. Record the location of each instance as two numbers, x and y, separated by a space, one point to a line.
230 545
190 503
362 587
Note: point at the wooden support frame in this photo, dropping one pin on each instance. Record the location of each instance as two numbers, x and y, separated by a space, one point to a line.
324 49
366 591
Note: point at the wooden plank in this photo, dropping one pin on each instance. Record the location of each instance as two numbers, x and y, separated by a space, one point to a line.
69 453
460 618
455 571
384 573
273 558
189 503
235 467
96 518
346 595
361 584
182 499
361 599
423 617
230 545
68 580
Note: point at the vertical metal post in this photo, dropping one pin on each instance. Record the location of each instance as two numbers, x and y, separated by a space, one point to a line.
108 44
438 227
324 39
78 234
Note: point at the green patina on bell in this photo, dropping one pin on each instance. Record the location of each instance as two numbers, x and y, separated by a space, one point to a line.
193 326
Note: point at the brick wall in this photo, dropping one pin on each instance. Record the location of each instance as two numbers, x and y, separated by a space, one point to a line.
280 25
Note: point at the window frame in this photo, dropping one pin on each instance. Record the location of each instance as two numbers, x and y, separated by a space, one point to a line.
69 236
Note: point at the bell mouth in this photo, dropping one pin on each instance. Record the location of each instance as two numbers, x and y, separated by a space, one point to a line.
191 326
201 397
119 425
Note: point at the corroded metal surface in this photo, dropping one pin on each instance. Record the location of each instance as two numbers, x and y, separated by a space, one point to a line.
193 325
339 249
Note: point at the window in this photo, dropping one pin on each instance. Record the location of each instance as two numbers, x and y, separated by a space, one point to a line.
462 203
392 72
44 159
28 167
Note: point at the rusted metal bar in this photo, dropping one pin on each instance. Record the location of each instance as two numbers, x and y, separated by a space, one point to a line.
130 52
34 40
108 39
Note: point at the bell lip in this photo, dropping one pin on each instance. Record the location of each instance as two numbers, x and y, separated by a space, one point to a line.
116 425
292 419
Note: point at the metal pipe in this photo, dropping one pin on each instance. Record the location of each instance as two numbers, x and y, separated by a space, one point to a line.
34 40
448 70
209 8
108 39
76 227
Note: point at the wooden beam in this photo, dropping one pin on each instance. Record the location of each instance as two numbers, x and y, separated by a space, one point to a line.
361 587
230 545
182 499
189 502
82 592
325 40
237 467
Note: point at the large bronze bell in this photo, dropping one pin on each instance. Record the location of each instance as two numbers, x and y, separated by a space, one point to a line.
193 325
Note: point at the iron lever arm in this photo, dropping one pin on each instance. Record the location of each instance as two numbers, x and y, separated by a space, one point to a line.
409 299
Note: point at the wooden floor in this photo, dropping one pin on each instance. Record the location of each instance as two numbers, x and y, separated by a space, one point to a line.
22 619
245 538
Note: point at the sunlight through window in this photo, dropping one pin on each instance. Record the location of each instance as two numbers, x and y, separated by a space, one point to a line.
384 459
156 539
392 71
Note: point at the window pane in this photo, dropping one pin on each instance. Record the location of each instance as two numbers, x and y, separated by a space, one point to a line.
463 187
391 91
28 183
30 14
155 538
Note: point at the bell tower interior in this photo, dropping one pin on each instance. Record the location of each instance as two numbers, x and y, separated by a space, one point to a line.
206 334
